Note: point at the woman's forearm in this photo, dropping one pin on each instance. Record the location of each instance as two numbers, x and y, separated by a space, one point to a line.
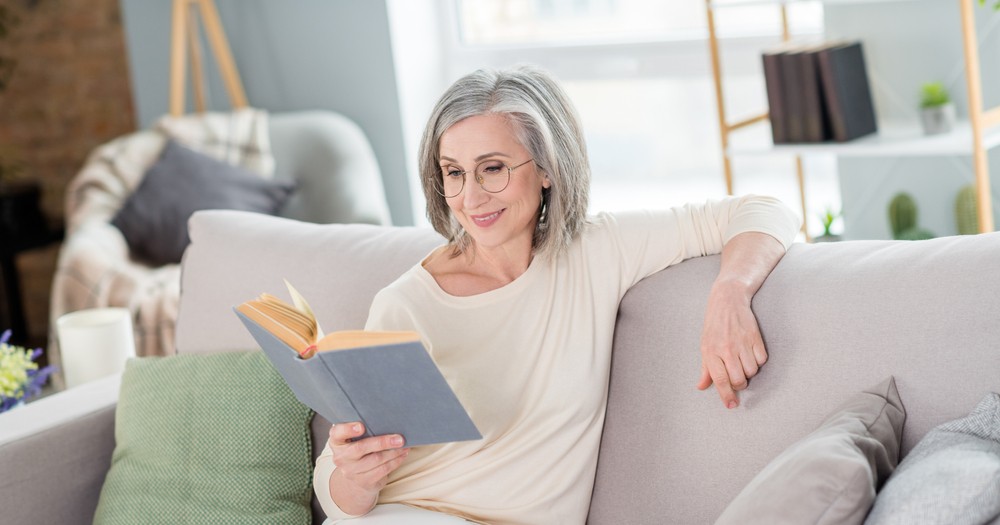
747 260
351 498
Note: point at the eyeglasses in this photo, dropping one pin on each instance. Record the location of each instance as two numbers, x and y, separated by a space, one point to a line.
492 175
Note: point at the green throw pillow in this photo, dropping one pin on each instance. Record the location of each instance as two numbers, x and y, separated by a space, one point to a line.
213 438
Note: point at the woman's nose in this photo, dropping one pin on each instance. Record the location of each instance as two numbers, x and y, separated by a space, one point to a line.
473 194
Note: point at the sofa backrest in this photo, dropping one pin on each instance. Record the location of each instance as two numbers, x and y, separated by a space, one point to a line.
836 318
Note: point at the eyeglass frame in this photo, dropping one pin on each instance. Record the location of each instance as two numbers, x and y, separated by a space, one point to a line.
439 188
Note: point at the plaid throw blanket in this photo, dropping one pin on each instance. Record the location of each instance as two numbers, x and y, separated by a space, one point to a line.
94 267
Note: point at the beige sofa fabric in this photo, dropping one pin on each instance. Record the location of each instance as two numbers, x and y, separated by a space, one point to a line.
836 318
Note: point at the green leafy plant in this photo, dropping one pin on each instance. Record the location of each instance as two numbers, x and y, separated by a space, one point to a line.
20 376
933 94
996 4
827 218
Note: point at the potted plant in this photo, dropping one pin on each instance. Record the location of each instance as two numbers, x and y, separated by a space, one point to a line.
827 218
996 4
20 376
937 111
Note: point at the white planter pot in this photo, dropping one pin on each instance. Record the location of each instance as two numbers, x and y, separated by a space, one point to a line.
938 119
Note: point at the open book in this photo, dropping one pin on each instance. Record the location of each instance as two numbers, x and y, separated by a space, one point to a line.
386 380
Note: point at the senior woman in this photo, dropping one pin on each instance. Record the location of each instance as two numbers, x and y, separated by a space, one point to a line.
518 310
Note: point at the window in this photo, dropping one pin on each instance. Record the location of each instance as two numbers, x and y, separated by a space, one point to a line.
526 22
639 74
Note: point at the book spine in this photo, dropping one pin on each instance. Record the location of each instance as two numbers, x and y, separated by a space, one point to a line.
792 91
831 97
341 407
848 95
811 89
775 102
859 112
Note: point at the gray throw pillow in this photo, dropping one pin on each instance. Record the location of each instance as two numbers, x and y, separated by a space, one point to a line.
831 475
951 476
183 181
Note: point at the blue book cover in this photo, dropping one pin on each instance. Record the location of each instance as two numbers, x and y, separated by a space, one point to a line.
391 388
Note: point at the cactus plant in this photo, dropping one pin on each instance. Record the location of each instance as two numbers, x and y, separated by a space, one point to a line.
902 214
903 219
966 212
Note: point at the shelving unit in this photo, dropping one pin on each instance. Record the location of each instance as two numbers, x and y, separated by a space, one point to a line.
973 137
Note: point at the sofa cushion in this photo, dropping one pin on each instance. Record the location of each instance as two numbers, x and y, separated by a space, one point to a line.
154 218
831 475
951 476
208 439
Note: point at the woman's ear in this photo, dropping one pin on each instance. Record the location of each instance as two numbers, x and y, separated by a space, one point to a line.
546 183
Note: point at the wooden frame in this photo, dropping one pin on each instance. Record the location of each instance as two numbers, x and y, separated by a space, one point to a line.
725 128
184 30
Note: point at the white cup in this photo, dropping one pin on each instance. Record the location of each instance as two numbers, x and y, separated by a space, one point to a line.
94 343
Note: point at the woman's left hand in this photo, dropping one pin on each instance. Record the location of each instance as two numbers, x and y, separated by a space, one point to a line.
732 350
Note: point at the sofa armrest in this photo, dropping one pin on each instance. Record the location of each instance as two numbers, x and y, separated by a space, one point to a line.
55 453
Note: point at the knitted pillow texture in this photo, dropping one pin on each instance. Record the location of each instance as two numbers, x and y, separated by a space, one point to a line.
951 476
208 438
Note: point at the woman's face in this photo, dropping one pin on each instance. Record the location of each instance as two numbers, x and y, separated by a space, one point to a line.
505 219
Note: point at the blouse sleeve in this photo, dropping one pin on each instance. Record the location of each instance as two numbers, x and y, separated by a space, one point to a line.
649 241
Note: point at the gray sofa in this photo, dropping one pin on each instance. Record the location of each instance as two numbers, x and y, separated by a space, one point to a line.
836 318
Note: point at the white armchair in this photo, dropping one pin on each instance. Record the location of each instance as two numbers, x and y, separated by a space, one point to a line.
327 155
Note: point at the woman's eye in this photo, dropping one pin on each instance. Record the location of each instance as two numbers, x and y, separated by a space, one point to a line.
491 168
453 172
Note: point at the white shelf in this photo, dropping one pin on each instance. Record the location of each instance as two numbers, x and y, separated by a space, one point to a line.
892 140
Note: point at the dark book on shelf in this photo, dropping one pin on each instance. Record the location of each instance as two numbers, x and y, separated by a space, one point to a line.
791 87
815 118
846 91
775 95
784 91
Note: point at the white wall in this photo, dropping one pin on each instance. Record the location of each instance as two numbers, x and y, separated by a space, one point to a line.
307 54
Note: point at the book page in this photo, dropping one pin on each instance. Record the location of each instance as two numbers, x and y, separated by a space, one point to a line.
347 339
300 302
263 316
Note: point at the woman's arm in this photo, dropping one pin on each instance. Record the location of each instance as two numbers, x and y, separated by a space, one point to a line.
731 346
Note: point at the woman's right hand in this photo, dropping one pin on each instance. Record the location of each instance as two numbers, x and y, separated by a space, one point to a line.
363 466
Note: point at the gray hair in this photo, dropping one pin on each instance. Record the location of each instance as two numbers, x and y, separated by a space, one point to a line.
545 123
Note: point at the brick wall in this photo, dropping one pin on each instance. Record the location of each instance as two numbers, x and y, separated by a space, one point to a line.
69 93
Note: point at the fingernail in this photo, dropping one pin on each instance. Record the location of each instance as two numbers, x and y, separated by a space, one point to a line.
356 428
397 441
732 404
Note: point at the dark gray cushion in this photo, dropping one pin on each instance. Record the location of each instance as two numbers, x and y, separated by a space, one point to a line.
951 476
183 181
831 475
